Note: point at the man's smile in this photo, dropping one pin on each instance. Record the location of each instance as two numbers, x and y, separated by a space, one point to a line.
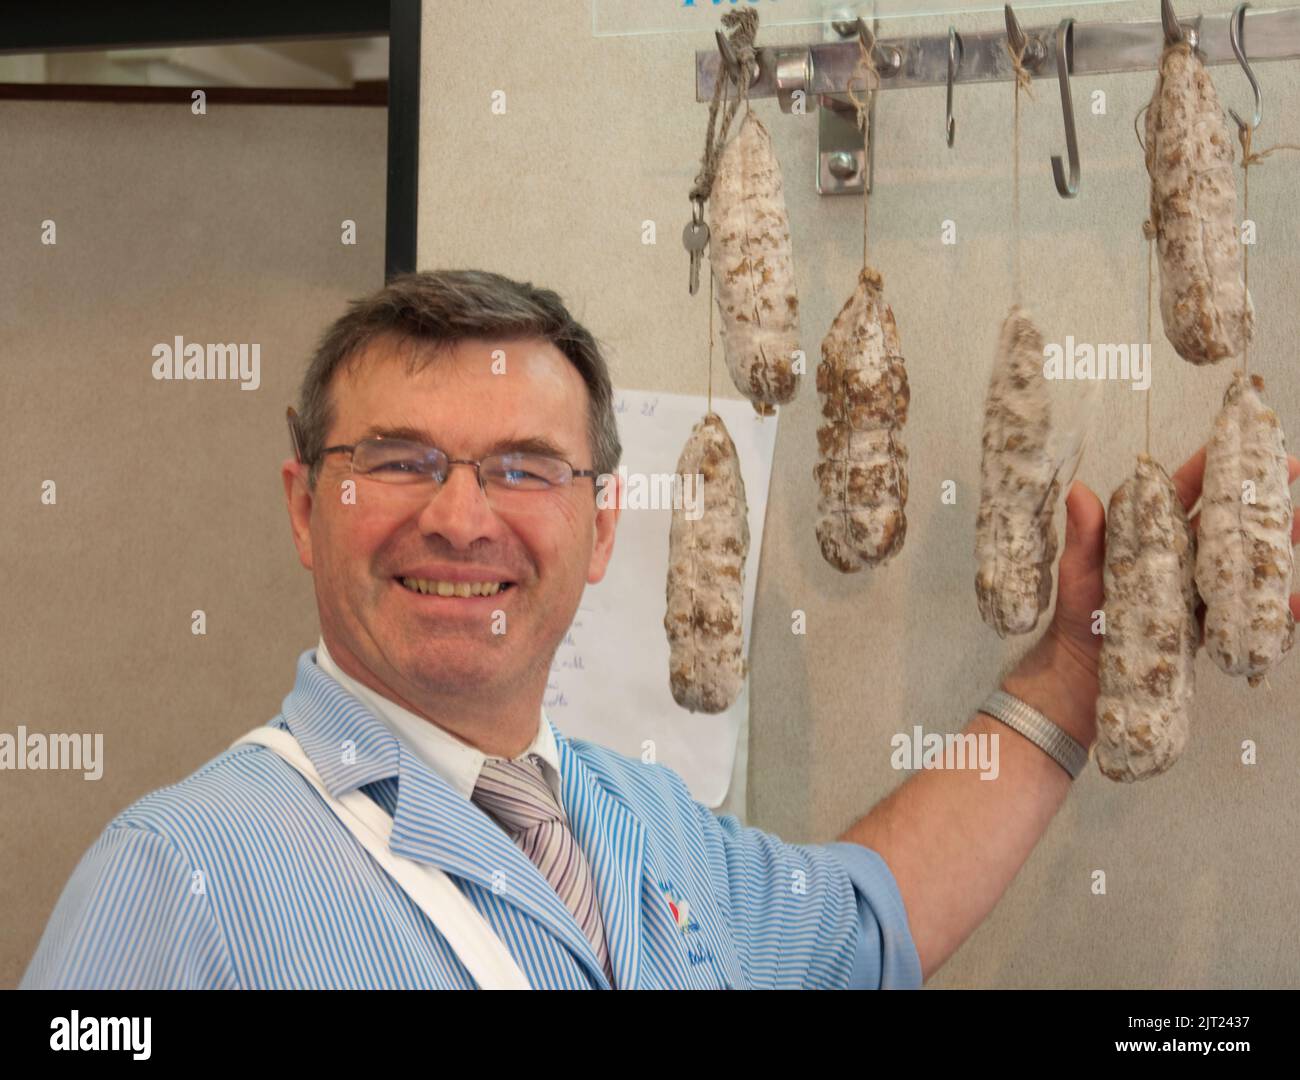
441 594
443 587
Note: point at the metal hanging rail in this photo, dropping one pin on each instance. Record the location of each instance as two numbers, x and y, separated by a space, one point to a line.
804 76
1097 49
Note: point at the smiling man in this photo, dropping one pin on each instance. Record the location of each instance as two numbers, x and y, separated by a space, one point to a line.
392 564
412 818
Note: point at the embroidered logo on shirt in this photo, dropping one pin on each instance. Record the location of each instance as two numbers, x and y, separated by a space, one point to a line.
687 925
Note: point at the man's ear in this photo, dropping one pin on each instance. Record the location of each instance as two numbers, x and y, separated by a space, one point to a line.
299 499
608 508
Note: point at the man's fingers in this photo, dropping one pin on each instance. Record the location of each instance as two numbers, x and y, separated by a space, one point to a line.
1079 590
1295 606
1293 468
1187 480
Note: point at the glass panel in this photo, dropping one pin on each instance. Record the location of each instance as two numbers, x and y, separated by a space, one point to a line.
623 18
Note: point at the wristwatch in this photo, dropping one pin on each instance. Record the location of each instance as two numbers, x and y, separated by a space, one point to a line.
1034 726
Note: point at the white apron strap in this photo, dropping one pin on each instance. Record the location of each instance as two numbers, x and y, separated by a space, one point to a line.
481 951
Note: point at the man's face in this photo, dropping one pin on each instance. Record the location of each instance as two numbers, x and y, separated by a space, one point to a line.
412 644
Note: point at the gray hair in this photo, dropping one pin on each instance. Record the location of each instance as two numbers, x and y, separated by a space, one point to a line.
444 307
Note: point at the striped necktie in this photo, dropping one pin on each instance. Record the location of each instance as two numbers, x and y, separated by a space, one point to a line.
516 795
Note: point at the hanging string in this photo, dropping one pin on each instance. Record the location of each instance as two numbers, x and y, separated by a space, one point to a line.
711 303
1149 231
744 26
1244 135
866 70
710 337
1249 157
1022 81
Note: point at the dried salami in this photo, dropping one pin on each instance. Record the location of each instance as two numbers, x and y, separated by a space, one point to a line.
753 269
706 574
1206 311
1015 531
1244 559
1147 664
861 473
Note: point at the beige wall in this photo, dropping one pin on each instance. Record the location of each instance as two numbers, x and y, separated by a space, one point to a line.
218 228
601 134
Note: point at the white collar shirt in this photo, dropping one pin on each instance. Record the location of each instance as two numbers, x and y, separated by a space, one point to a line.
455 760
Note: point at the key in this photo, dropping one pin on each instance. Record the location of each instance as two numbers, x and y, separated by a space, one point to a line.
695 238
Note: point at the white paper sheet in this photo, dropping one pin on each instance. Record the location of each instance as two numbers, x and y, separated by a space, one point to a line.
609 678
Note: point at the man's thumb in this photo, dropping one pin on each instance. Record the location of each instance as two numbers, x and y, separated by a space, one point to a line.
1085 529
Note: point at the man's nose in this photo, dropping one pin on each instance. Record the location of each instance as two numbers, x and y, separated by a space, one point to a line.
458 508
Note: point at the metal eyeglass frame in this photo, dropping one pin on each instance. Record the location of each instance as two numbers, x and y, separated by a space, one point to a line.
292 417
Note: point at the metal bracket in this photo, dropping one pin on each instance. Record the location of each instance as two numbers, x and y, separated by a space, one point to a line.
840 150
841 168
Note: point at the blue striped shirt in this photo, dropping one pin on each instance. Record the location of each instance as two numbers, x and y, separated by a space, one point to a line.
241 877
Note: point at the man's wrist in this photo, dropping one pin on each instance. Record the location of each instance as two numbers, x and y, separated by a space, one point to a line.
1060 683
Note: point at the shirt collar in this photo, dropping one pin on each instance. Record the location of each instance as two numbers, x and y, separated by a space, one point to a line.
455 760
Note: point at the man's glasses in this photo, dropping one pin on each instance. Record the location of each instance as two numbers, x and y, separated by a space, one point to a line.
512 481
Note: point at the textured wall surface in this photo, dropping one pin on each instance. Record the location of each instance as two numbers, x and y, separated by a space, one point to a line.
222 228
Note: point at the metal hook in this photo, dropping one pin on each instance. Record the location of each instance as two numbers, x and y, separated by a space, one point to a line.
1014 34
954 59
1030 50
888 59
1236 33
731 61
1064 55
865 34
1168 20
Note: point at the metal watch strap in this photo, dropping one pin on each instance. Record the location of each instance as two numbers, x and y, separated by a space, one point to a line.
1039 730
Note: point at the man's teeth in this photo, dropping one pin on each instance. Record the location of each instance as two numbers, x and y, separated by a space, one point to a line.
453 588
